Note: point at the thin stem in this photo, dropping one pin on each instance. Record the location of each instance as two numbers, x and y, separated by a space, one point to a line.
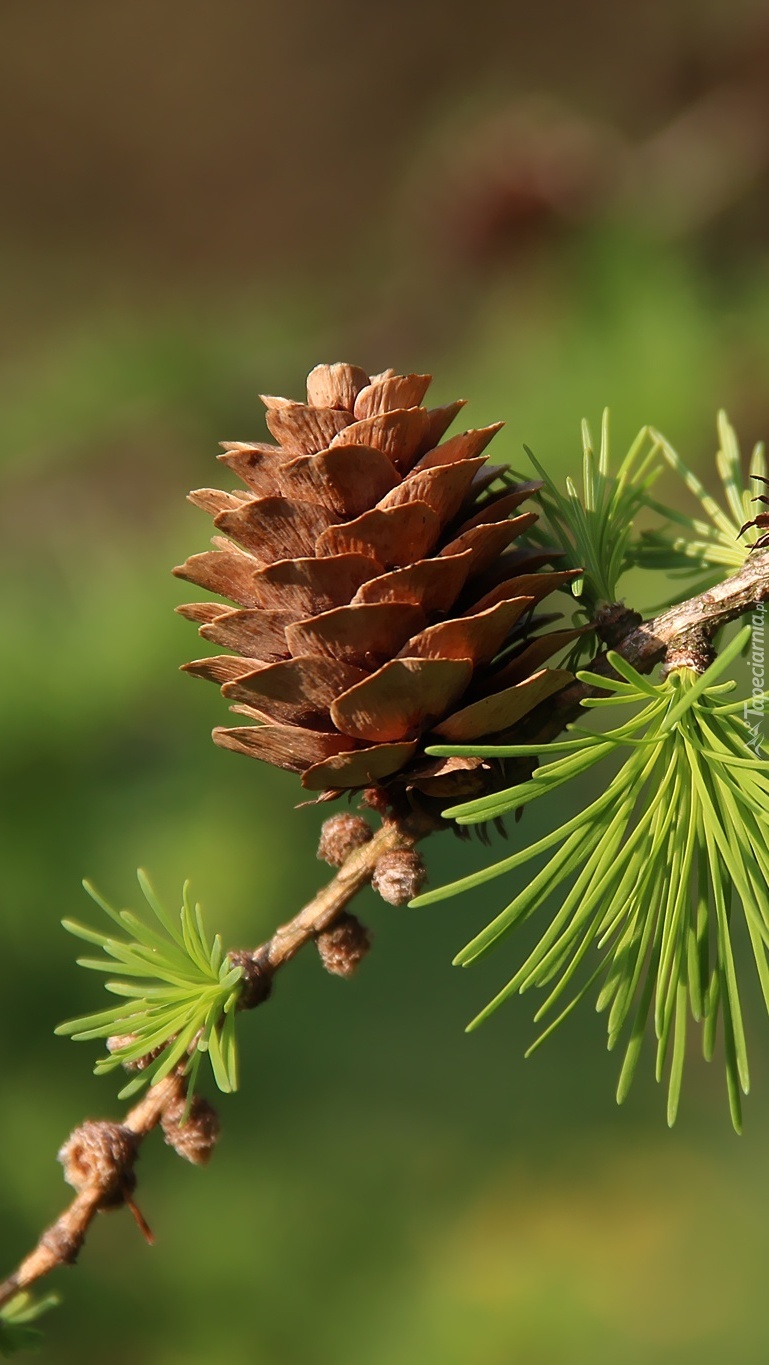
60 1244
321 912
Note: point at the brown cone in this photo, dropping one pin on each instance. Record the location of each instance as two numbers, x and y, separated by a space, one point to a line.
101 1155
399 876
340 836
192 1134
343 947
376 582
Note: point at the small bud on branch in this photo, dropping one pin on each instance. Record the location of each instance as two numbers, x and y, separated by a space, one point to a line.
192 1128
343 947
340 836
399 876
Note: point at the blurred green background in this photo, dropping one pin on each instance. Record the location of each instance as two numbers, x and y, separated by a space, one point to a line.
552 210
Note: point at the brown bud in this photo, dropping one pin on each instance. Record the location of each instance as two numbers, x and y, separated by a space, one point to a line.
257 978
101 1155
376 799
120 1040
340 836
613 621
342 947
195 1137
399 876
696 654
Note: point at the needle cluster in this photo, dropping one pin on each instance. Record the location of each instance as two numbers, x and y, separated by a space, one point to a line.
642 884
700 549
594 529
178 995
16 1330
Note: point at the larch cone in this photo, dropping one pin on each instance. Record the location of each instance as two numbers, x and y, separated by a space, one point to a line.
382 600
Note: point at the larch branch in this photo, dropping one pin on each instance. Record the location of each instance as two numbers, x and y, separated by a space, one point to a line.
690 624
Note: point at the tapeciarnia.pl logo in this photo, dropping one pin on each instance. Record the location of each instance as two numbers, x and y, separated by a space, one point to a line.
754 708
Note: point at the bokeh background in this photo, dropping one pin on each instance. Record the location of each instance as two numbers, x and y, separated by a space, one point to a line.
552 208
